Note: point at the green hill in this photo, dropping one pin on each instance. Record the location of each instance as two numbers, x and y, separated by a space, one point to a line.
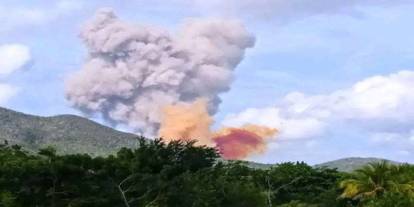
67 133
352 163
344 165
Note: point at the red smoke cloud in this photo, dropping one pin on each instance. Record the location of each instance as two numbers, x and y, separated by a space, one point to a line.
239 143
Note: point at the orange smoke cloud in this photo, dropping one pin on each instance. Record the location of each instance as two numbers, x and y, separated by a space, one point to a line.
187 121
192 121
261 131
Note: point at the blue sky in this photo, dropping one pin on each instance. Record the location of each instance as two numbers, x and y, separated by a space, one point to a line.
313 48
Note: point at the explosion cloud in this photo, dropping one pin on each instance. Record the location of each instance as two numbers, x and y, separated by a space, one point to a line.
133 72
192 121
163 84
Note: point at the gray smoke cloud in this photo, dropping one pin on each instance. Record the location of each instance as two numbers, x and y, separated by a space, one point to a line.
132 71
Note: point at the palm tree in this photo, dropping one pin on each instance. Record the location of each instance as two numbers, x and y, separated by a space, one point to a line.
404 179
375 179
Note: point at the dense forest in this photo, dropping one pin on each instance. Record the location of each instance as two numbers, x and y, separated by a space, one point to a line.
181 174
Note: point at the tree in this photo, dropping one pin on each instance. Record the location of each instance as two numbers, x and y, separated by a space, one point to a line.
180 173
391 199
376 179
151 171
297 181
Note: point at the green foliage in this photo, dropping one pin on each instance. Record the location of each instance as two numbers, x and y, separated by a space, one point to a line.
178 174
150 174
297 204
391 199
7 199
300 182
376 179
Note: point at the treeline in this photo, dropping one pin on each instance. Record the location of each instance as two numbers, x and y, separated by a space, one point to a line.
180 174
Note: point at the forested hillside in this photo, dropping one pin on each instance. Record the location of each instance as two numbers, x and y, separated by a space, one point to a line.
67 133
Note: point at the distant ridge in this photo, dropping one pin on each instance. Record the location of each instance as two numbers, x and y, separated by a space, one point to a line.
67 133
343 165
352 163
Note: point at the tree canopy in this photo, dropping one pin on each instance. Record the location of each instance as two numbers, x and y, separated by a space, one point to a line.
181 174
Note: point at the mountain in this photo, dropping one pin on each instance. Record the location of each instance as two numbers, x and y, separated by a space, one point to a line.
74 134
67 133
343 165
352 163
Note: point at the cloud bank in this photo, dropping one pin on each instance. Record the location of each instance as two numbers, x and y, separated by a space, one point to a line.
133 71
376 104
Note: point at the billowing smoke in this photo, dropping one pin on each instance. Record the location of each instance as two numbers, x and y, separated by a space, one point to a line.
133 72
165 85
192 121
187 121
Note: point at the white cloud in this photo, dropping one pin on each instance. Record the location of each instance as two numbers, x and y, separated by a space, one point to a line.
13 17
385 137
6 92
289 127
286 10
377 104
69 5
13 57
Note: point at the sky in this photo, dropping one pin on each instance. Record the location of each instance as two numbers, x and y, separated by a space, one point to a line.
335 77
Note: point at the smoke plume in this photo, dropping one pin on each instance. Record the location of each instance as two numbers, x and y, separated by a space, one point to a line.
192 121
187 121
239 143
133 72
162 84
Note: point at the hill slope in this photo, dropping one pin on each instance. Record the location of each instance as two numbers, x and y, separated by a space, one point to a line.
343 165
352 163
67 133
